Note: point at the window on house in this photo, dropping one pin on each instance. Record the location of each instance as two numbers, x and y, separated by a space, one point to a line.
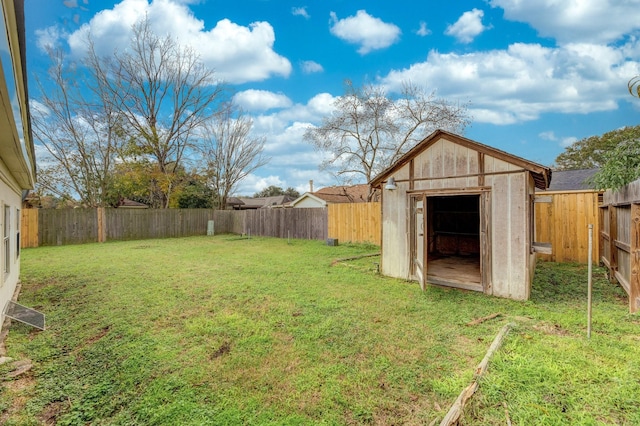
6 239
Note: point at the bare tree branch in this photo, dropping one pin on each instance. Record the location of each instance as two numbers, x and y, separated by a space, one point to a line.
230 152
79 130
369 130
165 94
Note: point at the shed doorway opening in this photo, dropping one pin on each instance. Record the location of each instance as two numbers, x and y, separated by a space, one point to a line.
452 243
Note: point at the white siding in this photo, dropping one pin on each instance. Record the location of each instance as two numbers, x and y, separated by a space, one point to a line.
12 198
309 203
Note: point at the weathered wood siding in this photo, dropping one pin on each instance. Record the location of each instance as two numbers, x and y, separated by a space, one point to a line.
443 160
446 166
510 240
394 260
355 222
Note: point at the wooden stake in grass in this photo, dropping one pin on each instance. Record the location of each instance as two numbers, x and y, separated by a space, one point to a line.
456 409
483 319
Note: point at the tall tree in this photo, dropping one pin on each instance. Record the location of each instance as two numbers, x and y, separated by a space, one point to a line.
230 152
369 130
621 166
164 93
80 130
272 191
592 152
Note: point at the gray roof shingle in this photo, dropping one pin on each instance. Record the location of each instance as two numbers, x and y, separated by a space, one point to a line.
571 180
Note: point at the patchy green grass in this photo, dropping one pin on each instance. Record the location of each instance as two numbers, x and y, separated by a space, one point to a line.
228 330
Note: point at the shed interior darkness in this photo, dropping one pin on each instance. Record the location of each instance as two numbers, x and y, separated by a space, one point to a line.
453 239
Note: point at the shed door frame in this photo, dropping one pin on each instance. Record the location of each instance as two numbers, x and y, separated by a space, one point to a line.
418 221
418 248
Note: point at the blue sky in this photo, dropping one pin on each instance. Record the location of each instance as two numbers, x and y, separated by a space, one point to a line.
538 75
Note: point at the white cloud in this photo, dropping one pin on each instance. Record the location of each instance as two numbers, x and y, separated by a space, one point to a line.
49 38
365 30
292 158
254 183
568 141
237 53
601 21
261 100
467 27
300 11
423 30
310 67
526 80
564 141
35 105
548 136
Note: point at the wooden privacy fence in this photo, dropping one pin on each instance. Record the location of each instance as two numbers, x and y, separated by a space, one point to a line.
356 222
620 239
287 223
49 227
562 219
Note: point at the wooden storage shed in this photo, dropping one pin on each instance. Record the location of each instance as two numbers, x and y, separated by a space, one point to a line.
459 213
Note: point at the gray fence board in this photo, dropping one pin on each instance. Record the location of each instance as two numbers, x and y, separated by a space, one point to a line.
77 226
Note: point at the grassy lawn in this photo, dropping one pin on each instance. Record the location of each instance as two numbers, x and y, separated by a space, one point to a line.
225 330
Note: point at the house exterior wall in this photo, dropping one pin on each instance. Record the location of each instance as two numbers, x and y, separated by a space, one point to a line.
308 203
11 199
17 171
445 167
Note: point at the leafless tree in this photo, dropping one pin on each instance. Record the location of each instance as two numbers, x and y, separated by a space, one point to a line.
369 130
230 152
164 93
80 131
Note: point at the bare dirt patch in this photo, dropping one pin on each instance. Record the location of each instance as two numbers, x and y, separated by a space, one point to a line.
15 391
554 329
51 412
224 348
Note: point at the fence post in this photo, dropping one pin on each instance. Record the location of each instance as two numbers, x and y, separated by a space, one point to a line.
634 282
613 236
102 234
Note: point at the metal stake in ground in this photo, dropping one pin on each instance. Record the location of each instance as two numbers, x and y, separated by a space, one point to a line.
589 281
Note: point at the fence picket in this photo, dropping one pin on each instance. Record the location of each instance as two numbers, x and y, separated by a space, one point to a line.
47 227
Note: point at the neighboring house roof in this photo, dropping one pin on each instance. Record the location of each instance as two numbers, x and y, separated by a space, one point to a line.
234 202
338 194
126 203
572 180
246 203
541 174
